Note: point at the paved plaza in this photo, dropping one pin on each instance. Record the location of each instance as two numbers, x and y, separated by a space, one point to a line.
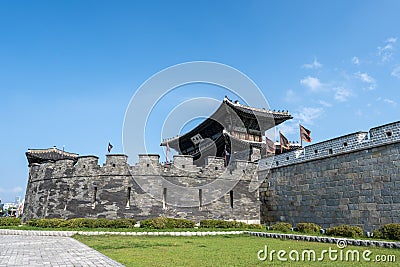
23 250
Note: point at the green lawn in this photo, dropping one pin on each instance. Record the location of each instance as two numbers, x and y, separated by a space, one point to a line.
226 250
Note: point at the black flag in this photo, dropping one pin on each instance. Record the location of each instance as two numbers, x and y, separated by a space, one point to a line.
110 146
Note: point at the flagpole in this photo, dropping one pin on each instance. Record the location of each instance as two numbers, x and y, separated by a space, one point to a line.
301 139
166 154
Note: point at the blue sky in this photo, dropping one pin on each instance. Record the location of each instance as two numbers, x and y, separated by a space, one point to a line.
69 68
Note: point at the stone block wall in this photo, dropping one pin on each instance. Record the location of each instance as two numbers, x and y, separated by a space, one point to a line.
65 189
354 179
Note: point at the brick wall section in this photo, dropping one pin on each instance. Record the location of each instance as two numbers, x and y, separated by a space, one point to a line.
66 190
353 179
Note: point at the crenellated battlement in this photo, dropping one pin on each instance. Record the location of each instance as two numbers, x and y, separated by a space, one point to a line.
148 164
385 134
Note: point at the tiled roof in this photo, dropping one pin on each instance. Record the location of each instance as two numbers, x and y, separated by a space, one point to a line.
278 116
257 111
49 154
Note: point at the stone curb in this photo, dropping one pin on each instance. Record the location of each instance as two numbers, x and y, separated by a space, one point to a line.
327 239
71 233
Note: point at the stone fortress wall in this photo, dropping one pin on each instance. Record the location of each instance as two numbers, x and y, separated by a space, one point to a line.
65 189
353 179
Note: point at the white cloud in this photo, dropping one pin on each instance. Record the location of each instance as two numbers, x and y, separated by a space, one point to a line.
387 101
396 72
16 189
390 102
312 83
288 128
355 61
307 115
341 94
391 40
314 65
386 52
325 104
366 79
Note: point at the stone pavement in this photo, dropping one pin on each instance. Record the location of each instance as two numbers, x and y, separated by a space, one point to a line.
24 250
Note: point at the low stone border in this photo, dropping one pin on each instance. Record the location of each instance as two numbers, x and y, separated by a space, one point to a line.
36 232
327 239
71 233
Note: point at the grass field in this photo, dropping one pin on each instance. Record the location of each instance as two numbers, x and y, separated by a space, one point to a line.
223 250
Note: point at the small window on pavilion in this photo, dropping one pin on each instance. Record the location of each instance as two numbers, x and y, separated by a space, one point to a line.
345 144
113 165
183 166
330 151
277 163
287 158
316 151
216 168
148 165
389 134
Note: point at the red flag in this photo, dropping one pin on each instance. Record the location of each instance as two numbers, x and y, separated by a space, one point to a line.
284 142
305 134
270 146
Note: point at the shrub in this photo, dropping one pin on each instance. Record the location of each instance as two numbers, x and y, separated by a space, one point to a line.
122 223
345 231
10 221
388 231
32 222
166 223
82 223
281 226
51 223
101 223
228 224
308 228
48 223
183 223
219 224
254 226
